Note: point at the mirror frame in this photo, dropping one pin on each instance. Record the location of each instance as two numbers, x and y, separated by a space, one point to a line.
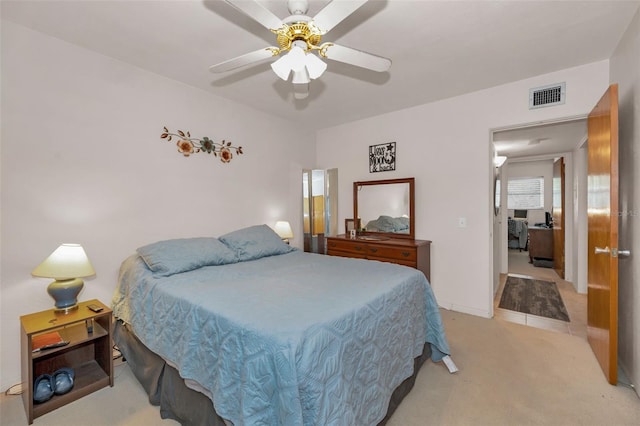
412 205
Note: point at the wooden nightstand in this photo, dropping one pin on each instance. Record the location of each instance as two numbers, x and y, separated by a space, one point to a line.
89 354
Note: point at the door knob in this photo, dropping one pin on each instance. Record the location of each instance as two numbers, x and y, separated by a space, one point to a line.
614 252
624 253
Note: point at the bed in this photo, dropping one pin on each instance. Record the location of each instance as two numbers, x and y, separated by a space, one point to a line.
398 225
246 330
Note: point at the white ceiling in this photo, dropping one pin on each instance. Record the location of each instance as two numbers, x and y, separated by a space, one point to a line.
541 140
439 48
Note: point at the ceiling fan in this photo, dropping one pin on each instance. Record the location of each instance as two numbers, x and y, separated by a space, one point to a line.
300 36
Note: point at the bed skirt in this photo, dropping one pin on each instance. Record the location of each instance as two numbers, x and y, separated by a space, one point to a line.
177 401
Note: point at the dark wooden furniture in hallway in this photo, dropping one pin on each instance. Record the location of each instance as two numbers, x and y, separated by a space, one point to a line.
540 243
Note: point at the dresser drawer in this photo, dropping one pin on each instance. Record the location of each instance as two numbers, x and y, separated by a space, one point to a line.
413 253
405 254
354 255
411 263
347 246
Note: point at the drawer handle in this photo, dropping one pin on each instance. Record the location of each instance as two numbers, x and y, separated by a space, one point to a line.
358 248
406 253
373 250
332 244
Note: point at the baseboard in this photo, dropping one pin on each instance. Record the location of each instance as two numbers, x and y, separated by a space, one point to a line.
624 378
465 309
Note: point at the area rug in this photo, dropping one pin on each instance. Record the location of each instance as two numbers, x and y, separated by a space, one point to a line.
535 297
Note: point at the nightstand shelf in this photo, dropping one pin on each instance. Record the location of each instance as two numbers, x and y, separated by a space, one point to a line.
89 354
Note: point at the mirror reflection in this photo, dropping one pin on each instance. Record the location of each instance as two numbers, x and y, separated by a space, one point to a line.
385 207
319 207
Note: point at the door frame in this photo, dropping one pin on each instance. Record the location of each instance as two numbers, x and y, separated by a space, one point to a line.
575 230
559 252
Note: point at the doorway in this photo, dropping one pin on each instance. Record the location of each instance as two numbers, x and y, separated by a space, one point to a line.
531 152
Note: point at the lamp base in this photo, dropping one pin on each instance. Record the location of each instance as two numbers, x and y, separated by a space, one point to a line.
66 310
65 293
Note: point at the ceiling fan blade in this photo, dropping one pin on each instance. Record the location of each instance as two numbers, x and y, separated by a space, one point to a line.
357 58
243 60
335 12
258 12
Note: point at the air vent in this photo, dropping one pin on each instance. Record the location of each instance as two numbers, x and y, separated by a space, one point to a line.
545 96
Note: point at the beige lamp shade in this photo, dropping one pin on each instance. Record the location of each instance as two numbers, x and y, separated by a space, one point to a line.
66 262
283 229
67 265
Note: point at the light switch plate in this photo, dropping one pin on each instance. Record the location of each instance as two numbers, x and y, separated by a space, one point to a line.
462 222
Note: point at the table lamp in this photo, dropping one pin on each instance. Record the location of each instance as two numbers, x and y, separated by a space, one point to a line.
67 265
283 229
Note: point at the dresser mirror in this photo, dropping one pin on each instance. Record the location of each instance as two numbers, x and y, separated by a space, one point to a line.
385 208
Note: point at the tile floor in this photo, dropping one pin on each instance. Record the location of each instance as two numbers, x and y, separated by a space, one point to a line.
575 303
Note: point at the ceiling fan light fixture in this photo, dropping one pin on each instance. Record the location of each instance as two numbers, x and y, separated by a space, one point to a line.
282 67
315 66
300 91
298 36
294 61
305 66
297 59
300 77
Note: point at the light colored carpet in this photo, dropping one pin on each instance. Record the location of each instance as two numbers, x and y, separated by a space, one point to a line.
510 374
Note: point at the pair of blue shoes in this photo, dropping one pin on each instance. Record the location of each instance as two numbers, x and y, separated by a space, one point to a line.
58 383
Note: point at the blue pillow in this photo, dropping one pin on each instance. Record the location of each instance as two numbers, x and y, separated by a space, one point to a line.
255 242
400 223
169 257
382 224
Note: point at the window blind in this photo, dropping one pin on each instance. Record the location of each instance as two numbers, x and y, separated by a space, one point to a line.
525 193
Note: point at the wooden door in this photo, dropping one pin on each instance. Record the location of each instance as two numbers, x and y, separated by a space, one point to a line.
602 201
558 216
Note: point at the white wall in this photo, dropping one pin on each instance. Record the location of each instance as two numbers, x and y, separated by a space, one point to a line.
445 146
82 161
625 70
528 169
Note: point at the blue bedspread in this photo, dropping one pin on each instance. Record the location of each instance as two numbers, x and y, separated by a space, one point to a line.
294 339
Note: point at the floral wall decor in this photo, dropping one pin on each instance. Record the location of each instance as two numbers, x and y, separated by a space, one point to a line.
188 145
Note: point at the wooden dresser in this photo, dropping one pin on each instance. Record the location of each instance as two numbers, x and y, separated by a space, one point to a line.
413 253
540 243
